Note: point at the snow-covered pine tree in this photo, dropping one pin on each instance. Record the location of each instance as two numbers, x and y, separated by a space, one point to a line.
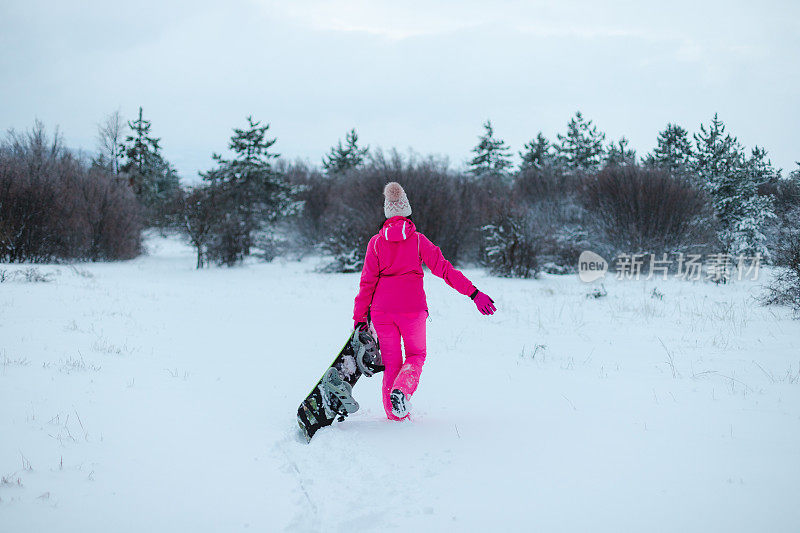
618 154
492 155
581 149
141 156
717 154
795 174
732 180
345 157
748 236
760 166
151 177
536 153
673 151
252 194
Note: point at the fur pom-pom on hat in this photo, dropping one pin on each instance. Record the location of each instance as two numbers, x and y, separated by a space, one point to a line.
395 201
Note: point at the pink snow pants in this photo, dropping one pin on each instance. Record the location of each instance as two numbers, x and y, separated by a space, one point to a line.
399 374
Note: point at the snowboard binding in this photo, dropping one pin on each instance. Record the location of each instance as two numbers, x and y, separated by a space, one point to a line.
367 353
337 395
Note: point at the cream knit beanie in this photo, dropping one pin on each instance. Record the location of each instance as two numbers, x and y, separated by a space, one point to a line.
396 201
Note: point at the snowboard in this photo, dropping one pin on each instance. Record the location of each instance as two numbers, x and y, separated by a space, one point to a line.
332 397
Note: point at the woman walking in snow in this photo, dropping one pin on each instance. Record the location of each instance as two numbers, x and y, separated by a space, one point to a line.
391 295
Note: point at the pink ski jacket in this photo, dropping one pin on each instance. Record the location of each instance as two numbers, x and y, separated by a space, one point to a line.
391 280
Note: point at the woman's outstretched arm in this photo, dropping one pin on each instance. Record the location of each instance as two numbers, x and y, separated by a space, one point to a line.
432 256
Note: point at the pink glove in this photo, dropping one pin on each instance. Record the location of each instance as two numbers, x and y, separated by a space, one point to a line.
484 304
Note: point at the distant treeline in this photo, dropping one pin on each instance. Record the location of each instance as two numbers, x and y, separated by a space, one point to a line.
701 192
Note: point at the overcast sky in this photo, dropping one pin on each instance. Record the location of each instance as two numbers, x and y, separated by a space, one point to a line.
406 74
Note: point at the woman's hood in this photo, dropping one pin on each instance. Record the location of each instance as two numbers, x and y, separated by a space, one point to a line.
397 229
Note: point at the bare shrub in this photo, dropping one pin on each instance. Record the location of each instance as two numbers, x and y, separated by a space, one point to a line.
307 226
633 209
551 197
546 183
73 364
195 215
597 292
34 275
29 204
112 216
54 205
110 136
785 287
785 192
786 201
480 202
28 275
352 218
231 238
18 361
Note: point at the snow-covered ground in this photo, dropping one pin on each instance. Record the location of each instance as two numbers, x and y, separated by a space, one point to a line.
148 396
